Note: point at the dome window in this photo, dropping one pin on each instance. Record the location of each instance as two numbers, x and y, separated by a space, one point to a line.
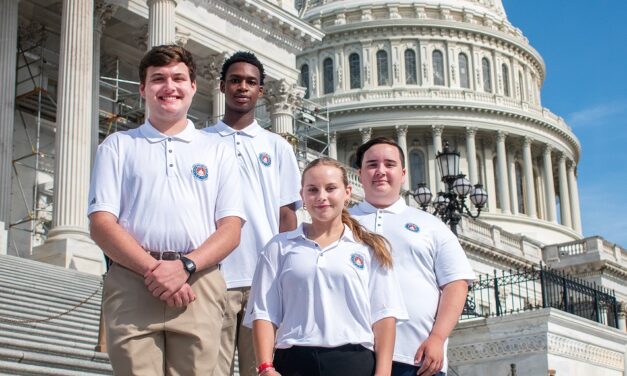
354 66
411 77
327 70
487 78
505 80
438 68
464 77
304 79
383 73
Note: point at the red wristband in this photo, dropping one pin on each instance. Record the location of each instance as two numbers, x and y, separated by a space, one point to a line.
264 366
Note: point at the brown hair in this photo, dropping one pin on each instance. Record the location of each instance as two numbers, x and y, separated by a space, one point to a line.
160 56
361 150
378 243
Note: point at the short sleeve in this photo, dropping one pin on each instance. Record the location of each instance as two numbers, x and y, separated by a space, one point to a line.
105 190
386 299
451 263
290 177
229 201
265 295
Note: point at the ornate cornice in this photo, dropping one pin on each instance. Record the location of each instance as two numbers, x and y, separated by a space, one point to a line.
549 343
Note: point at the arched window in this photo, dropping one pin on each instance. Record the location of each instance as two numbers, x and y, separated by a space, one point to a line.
354 67
417 168
464 76
521 90
304 79
411 77
383 74
520 189
352 161
327 70
438 68
505 72
487 78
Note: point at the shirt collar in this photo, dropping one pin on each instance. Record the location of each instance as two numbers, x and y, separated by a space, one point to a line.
298 233
153 135
395 208
251 130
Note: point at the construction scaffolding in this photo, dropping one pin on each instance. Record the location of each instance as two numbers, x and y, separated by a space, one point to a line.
34 168
311 129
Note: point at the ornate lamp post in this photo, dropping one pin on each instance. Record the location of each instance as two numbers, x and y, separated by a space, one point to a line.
450 205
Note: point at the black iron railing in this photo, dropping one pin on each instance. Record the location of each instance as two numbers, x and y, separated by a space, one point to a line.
513 291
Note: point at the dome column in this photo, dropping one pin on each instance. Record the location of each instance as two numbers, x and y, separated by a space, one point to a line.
161 22
366 134
549 187
8 50
564 194
68 242
503 189
530 191
513 186
401 134
333 145
574 198
281 99
471 155
437 147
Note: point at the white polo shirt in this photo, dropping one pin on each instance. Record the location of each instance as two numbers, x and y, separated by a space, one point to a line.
322 297
427 255
166 191
270 179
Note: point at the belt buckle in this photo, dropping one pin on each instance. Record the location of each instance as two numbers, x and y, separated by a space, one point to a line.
170 255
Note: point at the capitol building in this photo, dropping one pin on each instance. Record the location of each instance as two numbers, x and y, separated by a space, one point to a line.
427 73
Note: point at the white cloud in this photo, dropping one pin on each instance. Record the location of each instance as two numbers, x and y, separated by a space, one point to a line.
597 113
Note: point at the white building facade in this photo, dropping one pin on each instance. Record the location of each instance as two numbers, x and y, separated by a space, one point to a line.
423 72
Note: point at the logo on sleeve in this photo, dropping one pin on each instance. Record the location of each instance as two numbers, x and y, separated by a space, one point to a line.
200 171
357 260
412 227
265 159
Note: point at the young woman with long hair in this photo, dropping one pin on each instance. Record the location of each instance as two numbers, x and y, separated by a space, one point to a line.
325 295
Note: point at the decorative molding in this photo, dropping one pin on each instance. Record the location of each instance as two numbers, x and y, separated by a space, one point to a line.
502 348
282 97
585 352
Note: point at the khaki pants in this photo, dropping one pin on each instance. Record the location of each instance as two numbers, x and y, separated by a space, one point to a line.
234 334
146 337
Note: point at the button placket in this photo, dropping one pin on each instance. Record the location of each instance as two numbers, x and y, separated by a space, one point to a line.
169 156
238 144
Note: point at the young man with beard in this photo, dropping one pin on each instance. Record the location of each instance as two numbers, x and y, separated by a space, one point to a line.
166 209
270 183
431 265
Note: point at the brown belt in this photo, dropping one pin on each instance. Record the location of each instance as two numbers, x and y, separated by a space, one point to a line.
167 255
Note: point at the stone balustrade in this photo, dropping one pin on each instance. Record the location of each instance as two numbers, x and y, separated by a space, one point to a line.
589 248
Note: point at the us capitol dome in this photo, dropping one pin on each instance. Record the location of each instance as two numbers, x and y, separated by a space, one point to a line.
457 71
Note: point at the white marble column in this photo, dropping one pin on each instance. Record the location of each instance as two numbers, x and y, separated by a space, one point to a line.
471 155
8 50
333 145
549 187
68 242
564 194
366 134
530 191
437 147
210 68
281 98
574 198
161 22
401 137
503 186
513 187
102 12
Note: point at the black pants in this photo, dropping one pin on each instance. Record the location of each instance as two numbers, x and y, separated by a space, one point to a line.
347 360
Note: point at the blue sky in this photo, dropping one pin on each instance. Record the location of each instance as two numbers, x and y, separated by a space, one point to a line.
584 47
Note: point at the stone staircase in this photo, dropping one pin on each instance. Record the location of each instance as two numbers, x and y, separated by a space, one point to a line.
38 336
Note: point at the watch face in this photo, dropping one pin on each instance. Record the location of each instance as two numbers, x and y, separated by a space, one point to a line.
189 265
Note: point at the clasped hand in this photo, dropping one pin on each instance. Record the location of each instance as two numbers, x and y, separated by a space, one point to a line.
167 280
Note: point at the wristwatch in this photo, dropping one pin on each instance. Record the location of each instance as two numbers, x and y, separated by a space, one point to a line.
189 265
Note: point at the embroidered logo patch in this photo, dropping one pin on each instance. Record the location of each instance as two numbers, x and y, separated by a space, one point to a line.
357 260
265 159
412 227
200 171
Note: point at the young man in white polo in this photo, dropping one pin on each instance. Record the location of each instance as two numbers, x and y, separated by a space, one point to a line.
270 187
166 209
431 265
